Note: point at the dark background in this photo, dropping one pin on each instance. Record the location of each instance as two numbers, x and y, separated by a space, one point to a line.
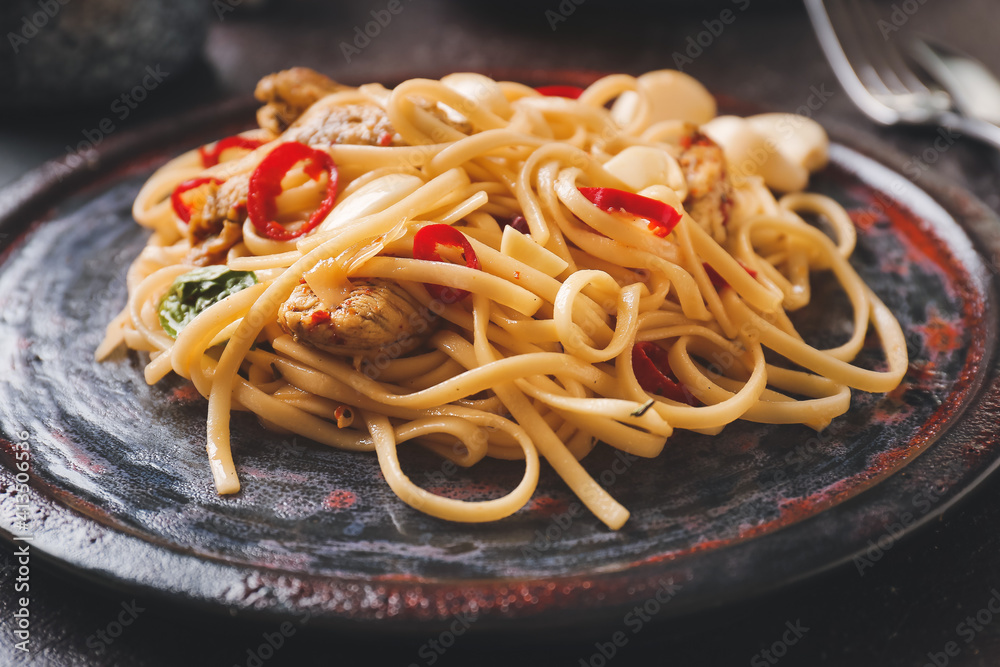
908 605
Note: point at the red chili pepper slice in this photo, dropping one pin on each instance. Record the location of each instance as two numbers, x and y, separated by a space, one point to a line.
265 186
210 156
319 317
572 92
718 281
425 246
181 207
660 218
651 366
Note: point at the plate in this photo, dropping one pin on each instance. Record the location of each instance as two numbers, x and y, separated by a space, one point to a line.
120 490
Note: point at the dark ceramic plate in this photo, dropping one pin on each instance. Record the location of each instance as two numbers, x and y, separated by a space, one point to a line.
120 489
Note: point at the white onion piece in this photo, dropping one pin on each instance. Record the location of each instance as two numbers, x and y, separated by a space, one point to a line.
372 197
479 90
748 153
642 166
801 140
672 95
329 281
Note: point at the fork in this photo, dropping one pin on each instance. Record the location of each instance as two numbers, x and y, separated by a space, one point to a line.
876 76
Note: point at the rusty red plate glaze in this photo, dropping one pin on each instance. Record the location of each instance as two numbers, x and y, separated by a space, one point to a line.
120 490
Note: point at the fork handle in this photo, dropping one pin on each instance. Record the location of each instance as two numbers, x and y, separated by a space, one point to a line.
965 126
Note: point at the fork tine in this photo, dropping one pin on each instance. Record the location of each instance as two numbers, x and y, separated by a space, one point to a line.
871 69
852 23
863 23
845 68
877 78
885 58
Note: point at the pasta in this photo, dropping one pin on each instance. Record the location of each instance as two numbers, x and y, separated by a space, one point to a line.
497 271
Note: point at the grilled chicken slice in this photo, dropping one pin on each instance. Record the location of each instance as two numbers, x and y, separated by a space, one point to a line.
709 199
378 316
214 249
365 124
217 215
287 94
361 124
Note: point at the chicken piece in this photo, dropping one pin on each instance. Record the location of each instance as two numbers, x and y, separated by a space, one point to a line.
213 249
709 198
217 215
364 124
287 94
378 316
214 203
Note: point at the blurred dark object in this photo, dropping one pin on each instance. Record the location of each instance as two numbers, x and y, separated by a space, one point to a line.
60 53
647 9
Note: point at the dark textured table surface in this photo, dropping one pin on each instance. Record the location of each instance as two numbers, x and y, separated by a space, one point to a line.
908 609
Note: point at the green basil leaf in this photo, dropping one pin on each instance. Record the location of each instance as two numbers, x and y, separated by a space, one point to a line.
194 291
